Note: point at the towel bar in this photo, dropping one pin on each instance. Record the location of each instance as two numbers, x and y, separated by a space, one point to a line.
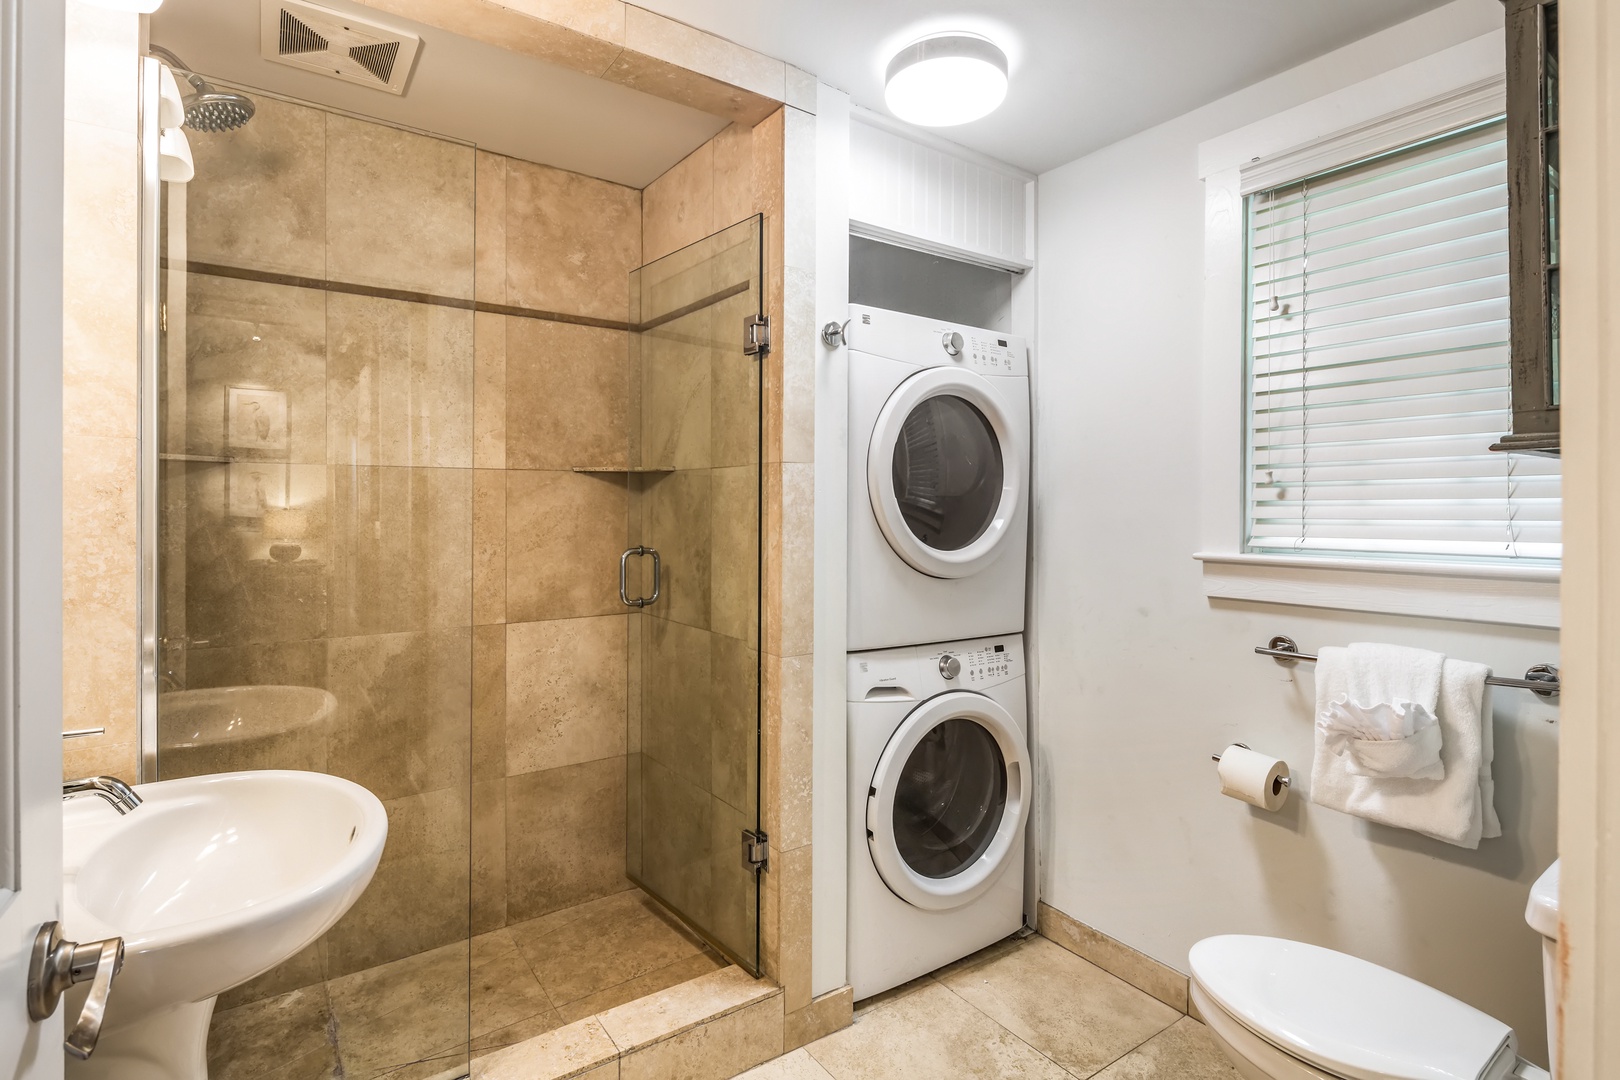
1541 680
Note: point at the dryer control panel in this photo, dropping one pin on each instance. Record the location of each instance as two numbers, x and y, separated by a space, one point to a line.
991 355
921 671
912 339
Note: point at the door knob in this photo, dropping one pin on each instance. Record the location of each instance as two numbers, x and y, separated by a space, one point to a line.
56 965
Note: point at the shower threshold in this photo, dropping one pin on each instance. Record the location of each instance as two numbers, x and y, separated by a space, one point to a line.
408 1019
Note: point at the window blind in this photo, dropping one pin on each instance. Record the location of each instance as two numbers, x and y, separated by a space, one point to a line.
1378 363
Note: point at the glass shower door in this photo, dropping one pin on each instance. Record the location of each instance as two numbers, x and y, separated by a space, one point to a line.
314 527
692 584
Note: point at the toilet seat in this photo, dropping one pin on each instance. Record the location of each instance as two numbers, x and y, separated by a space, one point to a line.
1256 1058
1337 1017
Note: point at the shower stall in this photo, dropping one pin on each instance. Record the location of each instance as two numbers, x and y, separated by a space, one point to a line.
450 495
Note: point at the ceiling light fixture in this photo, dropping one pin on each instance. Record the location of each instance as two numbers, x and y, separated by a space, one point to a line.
946 79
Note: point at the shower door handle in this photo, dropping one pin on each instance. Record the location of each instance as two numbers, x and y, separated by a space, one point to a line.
658 575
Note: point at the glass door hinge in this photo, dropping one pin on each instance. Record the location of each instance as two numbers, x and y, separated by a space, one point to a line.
756 850
757 335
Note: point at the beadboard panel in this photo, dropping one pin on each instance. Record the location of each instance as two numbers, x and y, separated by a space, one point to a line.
922 192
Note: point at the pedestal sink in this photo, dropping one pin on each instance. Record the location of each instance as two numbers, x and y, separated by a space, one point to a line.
211 881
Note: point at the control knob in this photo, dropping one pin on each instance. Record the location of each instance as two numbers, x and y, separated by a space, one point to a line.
952 342
949 666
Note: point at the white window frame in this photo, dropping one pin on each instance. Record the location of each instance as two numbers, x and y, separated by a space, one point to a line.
1448 90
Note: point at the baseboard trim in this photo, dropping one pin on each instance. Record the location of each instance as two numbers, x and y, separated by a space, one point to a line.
1115 957
823 1016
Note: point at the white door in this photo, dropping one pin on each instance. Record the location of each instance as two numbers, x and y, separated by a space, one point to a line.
945 472
949 798
31 118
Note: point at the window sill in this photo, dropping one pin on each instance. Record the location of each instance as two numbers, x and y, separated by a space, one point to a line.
1508 595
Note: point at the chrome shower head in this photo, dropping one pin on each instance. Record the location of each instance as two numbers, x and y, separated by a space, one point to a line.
215 110
207 109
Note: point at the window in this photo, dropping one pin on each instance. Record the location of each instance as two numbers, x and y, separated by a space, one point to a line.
1378 363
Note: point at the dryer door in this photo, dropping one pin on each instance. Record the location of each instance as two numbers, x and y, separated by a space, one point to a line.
948 801
945 472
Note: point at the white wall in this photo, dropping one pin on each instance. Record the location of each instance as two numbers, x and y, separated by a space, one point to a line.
1141 678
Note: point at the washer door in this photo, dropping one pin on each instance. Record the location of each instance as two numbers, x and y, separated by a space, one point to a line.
945 472
948 801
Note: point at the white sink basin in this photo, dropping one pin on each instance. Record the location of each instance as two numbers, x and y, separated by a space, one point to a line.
211 881
235 728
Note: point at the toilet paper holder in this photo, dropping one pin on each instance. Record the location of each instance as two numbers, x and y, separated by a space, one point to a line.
1283 780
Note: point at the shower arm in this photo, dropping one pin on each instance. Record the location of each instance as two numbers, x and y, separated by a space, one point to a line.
179 67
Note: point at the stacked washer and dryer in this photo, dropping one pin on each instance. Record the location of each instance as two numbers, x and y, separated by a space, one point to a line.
940 779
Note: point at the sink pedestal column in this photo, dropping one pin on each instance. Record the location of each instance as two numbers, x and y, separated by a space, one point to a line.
170 1045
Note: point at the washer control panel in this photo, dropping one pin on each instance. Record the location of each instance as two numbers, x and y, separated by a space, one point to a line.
990 663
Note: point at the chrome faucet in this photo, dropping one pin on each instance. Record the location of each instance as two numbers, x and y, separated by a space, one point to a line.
114 790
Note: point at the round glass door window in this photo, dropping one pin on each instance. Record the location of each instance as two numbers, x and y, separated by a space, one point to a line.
947 473
949 799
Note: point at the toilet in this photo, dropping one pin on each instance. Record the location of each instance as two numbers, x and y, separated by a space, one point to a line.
1286 1010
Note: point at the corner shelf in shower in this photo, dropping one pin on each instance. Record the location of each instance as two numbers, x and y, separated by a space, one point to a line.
638 470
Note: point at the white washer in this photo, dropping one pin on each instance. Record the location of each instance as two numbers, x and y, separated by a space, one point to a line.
940 784
938 480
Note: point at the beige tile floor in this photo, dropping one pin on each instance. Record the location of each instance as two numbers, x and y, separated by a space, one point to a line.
409 1019
1026 1009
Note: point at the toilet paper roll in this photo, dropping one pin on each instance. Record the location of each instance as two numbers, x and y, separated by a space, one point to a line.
1255 778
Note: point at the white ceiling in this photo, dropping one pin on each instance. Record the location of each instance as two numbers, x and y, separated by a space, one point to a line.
1085 73
502 101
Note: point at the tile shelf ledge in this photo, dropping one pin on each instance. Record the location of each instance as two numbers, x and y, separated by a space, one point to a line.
624 469
217 459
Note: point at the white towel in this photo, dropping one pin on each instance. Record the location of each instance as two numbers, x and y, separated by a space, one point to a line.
1457 808
1386 738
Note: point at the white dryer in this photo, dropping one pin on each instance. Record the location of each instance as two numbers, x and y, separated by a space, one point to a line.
938 480
940 787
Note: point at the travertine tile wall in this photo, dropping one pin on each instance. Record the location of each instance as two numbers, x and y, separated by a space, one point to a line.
457 574
374 445
100 377
790 567
549 637
694 774
770 170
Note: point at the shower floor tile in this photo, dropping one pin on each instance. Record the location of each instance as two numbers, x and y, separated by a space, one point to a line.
408 1019
607 944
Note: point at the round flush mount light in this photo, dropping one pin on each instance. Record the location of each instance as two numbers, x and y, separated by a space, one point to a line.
946 79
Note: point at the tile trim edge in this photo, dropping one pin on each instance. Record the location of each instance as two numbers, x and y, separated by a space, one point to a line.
1154 978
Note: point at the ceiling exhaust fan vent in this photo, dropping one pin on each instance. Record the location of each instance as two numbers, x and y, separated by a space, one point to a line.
377 59
297 37
336 44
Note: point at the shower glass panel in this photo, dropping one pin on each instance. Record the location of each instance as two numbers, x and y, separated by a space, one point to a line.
315 495
693 784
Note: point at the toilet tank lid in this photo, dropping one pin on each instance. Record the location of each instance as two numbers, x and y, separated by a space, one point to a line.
1344 1015
1542 911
